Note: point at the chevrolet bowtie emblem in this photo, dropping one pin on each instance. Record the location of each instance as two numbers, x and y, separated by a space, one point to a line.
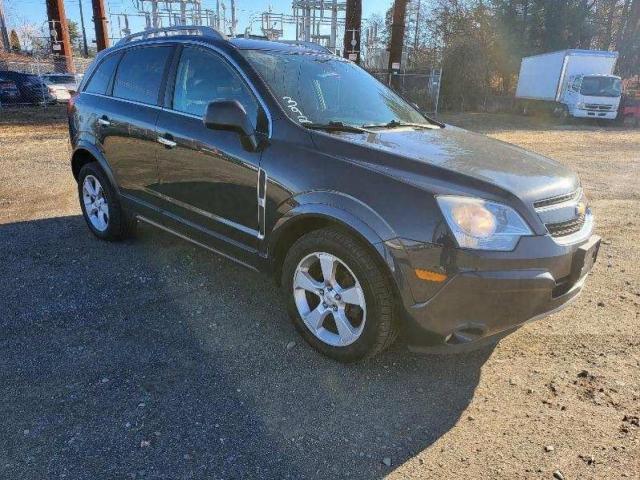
581 209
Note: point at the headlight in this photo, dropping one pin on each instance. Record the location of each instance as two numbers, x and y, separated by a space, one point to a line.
581 106
481 224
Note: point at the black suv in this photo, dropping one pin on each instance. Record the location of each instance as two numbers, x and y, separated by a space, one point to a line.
375 219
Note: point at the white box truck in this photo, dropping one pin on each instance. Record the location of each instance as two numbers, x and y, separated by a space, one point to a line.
580 83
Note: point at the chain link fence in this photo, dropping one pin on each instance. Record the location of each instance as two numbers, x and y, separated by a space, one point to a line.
421 89
39 80
49 79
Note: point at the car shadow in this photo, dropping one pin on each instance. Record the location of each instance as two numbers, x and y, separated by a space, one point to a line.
151 358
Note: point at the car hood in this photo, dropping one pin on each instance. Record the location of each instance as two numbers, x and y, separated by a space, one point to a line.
525 174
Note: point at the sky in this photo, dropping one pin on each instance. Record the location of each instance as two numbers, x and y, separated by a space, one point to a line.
34 11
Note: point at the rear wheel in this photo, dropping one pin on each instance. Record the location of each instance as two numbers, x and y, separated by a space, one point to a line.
339 297
101 206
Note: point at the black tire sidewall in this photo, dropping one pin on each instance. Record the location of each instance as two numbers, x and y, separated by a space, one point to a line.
362 347
113 230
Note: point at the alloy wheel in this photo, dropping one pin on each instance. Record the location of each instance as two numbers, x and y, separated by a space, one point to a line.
95 203
329 299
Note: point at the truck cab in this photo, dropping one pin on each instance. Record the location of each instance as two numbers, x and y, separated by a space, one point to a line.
592 96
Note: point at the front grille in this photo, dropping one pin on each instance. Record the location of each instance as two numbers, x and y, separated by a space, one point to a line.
595 106
566 228
560 214
555 200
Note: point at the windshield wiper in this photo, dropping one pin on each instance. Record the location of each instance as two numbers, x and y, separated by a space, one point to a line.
395 124
333 127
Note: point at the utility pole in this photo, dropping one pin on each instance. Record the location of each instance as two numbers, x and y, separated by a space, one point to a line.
60 40
397 36
417 32
334 26
233 18
4 36
100 21
353 19
154 14
85 48
183 12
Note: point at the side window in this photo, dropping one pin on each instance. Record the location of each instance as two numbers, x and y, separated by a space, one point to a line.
140 73
203 77
100 79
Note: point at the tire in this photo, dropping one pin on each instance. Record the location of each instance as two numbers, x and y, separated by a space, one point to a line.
118 224
356 270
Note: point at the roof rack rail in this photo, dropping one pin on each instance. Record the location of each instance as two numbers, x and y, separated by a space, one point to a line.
175 30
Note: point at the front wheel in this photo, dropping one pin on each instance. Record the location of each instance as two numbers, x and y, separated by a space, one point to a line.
339 297
565 115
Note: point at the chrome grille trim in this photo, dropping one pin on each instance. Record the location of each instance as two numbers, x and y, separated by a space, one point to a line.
557 199
561 217
579 236
598 107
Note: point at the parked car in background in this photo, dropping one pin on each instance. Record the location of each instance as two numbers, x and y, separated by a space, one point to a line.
61 85
573 83
374 218
9 92
31 88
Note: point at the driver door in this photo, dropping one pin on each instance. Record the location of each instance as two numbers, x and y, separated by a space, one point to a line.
208 180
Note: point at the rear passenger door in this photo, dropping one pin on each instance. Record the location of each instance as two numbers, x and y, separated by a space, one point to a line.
207 178
126 122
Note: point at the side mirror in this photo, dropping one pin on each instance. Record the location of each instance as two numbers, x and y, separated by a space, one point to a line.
231 115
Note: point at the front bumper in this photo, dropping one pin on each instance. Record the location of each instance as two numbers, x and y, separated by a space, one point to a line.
488 293
606 115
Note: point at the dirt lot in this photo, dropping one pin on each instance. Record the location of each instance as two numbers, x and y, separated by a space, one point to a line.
153 359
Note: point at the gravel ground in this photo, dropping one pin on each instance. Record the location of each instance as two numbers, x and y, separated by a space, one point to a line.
154 359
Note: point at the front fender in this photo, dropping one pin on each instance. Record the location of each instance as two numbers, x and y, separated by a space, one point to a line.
337 206
353 215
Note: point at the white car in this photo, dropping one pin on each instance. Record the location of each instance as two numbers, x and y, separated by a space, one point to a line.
61 85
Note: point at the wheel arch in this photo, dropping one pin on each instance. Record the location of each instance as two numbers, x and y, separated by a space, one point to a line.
85 153
309 217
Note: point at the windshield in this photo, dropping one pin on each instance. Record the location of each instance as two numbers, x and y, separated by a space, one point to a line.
601 87
318 89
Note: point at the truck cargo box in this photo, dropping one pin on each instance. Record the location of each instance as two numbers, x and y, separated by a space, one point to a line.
543 77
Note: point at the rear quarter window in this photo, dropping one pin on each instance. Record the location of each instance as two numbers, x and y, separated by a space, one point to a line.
99 81
140 74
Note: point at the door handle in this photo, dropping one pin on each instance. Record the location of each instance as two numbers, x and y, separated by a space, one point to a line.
104 121
167 142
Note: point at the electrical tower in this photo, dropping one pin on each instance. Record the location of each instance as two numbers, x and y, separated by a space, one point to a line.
169 13
314 20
